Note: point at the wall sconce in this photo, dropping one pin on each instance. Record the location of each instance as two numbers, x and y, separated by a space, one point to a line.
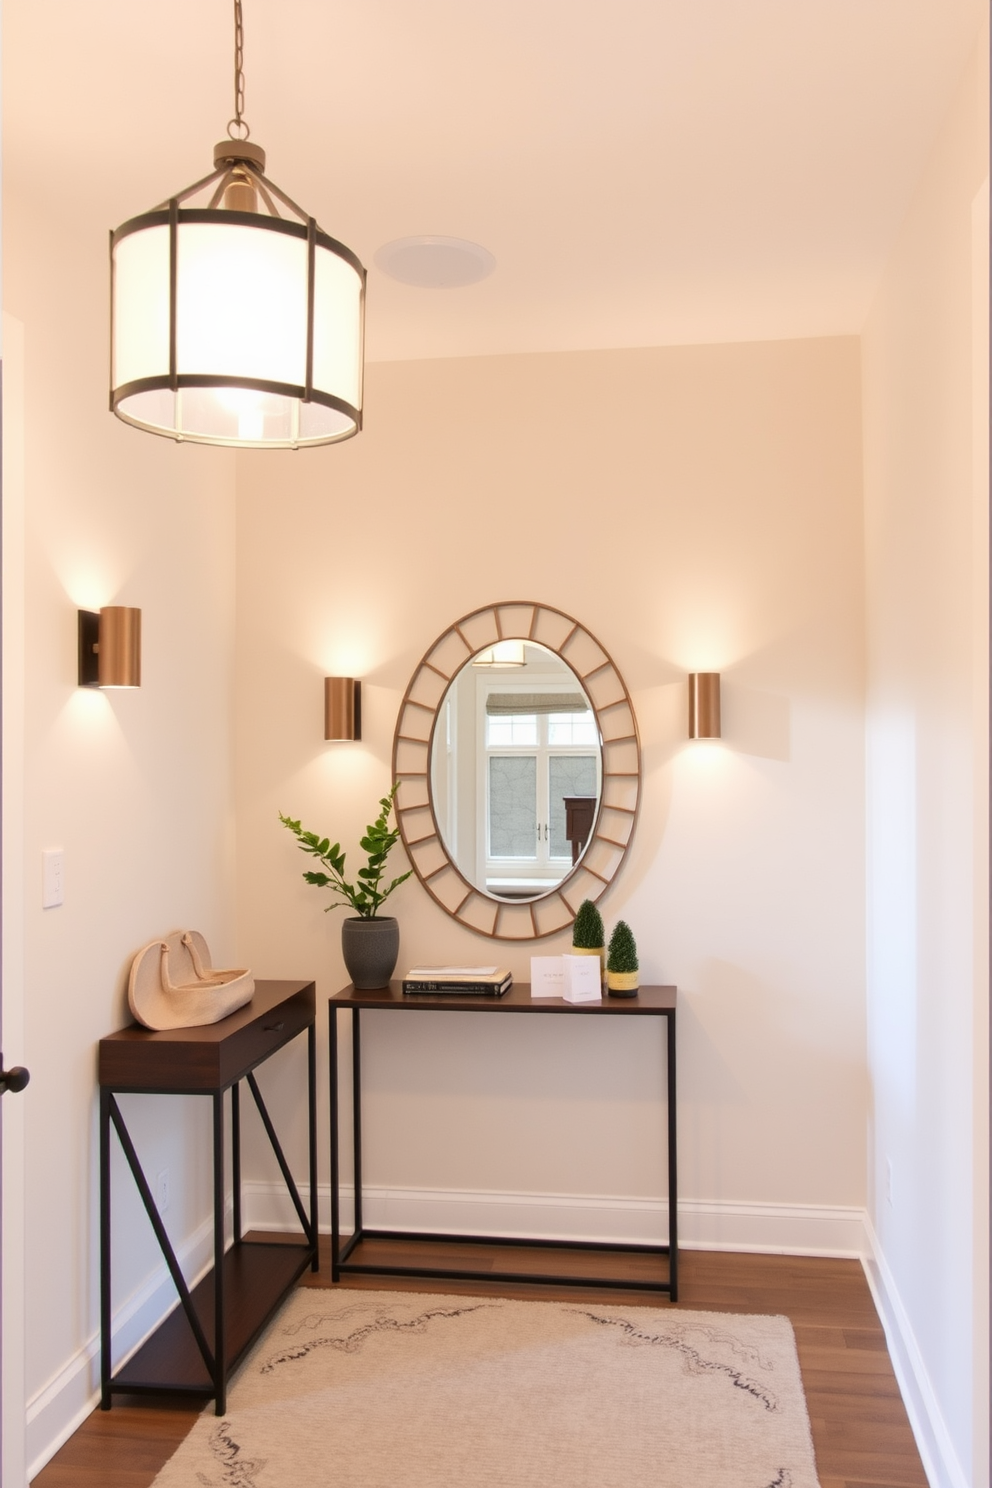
110 647
342 708
704 705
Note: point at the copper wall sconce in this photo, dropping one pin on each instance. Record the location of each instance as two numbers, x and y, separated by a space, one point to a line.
110 647
342 708
704 705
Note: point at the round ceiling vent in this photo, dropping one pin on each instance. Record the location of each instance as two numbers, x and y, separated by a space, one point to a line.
432 262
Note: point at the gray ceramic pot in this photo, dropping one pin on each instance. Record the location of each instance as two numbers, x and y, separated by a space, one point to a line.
370 949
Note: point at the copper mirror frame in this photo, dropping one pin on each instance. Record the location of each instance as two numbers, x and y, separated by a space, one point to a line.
613 827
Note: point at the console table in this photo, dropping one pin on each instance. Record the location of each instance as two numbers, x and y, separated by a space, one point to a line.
201 1341
650 1002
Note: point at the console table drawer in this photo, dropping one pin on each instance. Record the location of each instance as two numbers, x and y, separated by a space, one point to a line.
212 1057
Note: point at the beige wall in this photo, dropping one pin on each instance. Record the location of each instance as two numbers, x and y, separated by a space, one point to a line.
696 509
926 421
134 786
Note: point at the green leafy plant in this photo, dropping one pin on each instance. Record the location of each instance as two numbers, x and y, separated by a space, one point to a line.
587 932
366 896
622 955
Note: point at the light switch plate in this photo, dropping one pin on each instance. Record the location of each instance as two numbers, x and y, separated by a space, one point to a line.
53 878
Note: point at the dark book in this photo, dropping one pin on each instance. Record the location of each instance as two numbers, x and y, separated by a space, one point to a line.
461 981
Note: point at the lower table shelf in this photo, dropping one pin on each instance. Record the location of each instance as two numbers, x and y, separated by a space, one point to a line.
528 1259
256 1278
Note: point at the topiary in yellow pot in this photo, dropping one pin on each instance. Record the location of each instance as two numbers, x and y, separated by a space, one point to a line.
622 976
588 935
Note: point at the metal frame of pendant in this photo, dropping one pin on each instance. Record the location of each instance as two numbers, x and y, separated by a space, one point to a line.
250 160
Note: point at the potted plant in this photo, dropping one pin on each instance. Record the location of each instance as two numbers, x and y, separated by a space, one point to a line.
622 978
370 941
588 935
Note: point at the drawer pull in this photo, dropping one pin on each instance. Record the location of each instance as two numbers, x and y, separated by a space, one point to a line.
272 1027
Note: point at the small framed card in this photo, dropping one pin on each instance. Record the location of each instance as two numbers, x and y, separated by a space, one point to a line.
547 976
582 978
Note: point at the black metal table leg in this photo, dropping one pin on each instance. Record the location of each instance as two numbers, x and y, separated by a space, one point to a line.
220 1352
312 1138
356 1114
236 1156
673 1188
106 1362
332 1073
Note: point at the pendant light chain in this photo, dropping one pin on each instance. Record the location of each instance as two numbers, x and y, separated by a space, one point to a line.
237 124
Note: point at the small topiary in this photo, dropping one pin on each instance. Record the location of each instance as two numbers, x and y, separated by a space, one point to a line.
587 932
622 955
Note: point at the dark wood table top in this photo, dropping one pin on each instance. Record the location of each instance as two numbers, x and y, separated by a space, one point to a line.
180 1060
649 1000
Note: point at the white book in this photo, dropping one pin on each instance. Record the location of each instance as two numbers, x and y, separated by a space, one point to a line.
547 976
583 979
453 971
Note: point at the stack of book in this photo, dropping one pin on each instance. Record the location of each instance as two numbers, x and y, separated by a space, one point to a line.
462 981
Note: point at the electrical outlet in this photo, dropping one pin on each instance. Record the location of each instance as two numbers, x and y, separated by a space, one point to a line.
888 1180
53 878
162 1191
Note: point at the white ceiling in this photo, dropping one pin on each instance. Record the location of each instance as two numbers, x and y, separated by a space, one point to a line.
648 172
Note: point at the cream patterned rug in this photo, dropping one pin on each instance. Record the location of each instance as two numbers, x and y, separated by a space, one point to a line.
357 1389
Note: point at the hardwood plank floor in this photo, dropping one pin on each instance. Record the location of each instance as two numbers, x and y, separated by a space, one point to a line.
860 1430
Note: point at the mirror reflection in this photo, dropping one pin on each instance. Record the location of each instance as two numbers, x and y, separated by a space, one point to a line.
516 770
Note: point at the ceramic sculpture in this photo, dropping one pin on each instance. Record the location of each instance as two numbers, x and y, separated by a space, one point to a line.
173 985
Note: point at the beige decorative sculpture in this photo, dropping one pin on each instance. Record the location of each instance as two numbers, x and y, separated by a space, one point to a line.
173 985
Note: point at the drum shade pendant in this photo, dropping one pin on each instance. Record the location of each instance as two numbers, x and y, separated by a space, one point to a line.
230 323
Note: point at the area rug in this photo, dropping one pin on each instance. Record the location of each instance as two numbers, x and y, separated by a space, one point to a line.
405 1390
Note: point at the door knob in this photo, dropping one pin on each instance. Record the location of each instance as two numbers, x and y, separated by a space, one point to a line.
14 1079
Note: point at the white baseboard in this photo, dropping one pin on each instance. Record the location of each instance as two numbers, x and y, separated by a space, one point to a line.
61 1406
776 1229
933 1440
56 1411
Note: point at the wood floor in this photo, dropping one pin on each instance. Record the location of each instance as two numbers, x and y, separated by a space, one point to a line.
860 1430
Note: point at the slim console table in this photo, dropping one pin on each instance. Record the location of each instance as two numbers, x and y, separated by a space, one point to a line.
650 1002
202 1340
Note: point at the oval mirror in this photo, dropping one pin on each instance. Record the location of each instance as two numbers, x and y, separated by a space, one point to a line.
518 764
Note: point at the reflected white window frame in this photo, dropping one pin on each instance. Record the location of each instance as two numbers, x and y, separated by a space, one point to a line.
542 865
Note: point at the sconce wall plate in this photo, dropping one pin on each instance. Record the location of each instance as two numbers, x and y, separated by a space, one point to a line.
342 708
110 647
704 705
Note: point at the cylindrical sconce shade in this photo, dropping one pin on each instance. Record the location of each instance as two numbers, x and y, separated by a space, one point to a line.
342 708
704 705
119 659
110 647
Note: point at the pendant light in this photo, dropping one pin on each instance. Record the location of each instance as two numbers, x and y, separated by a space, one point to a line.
230 323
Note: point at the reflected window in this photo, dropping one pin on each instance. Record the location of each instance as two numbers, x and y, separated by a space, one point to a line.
514 744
